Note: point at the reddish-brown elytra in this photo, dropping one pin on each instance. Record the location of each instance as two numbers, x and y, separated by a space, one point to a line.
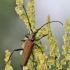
29 43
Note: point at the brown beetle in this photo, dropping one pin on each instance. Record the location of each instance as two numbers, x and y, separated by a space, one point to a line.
29 43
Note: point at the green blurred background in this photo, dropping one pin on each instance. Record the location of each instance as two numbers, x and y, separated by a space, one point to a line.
13 30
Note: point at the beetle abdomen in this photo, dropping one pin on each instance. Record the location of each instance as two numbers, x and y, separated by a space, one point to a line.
27 51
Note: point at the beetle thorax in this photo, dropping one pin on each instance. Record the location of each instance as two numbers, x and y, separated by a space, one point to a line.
32 36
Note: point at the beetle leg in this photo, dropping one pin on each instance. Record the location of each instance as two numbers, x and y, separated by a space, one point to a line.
34 65
39 47
27 35
13 52
41 37
33 59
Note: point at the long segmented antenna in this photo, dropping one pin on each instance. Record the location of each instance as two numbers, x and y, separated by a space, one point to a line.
47 23
27 18
12 53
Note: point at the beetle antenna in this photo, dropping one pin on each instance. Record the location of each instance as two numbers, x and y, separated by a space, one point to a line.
47 23
13 52
27 18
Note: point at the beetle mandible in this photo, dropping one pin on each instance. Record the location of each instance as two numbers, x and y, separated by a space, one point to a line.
29 43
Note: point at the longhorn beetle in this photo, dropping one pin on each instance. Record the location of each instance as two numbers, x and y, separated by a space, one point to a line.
29 43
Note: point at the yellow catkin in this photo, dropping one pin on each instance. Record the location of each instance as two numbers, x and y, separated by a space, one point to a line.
41 61
31 15
8 64
54 50
66 46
